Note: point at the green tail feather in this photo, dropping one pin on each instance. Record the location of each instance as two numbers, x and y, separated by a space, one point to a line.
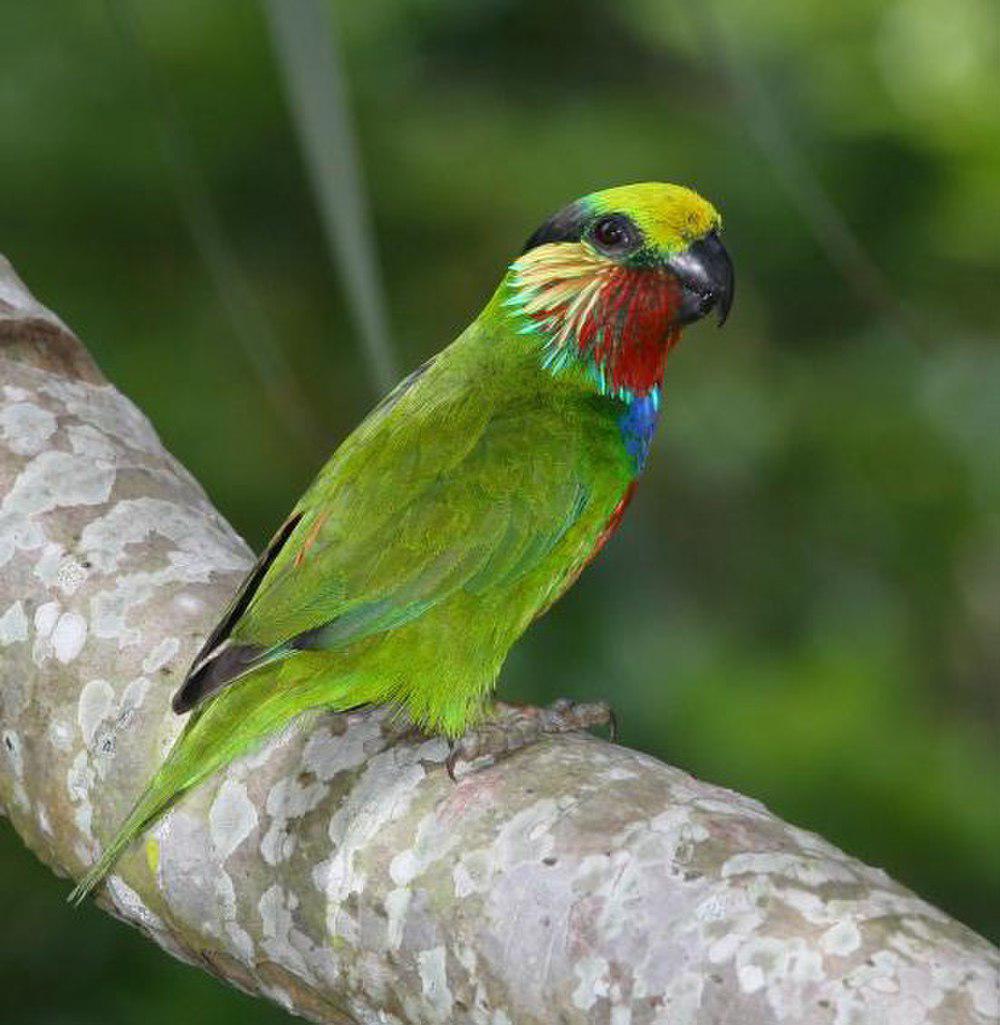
181 770
216 733
154 801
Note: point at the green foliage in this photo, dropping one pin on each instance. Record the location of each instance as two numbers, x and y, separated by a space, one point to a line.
803 601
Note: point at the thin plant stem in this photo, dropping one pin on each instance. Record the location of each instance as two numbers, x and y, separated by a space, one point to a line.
303 36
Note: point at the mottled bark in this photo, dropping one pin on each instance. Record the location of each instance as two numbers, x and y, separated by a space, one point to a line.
343 874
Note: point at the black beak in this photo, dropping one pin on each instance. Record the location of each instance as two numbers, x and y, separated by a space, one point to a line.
705 274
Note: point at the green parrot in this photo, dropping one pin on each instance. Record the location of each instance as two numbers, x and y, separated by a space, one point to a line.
467 502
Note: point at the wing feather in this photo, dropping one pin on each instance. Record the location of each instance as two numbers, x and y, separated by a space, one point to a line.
218 661
422 501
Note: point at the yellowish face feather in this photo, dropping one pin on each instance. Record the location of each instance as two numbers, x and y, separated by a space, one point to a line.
670 216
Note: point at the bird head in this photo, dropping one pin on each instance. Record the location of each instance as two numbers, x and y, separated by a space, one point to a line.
611 280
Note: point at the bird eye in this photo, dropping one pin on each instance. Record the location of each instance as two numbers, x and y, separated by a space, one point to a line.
614 235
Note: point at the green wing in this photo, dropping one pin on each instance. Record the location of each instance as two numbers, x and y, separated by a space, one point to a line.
424 499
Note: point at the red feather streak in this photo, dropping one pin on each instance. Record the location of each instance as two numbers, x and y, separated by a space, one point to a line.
614 522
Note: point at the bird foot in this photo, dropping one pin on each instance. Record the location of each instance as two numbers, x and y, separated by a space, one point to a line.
516 726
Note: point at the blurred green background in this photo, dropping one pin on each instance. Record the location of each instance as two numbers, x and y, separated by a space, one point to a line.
804 602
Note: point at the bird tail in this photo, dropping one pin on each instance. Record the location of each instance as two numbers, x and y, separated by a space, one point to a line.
161 792
187 763
216 733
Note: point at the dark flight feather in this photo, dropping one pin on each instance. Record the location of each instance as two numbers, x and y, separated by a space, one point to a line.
218 662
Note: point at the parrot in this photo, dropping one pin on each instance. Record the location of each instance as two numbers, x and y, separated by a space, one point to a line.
466 503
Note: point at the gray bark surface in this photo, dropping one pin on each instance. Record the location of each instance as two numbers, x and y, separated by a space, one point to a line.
340 872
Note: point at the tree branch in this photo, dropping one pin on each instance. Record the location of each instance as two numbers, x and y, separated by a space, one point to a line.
338 870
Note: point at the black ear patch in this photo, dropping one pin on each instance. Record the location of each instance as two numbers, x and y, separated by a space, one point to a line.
566 226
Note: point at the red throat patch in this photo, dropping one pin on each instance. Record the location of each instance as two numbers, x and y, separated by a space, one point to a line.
621 318
628 330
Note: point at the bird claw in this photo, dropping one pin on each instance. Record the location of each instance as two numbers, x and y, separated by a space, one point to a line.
516 726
